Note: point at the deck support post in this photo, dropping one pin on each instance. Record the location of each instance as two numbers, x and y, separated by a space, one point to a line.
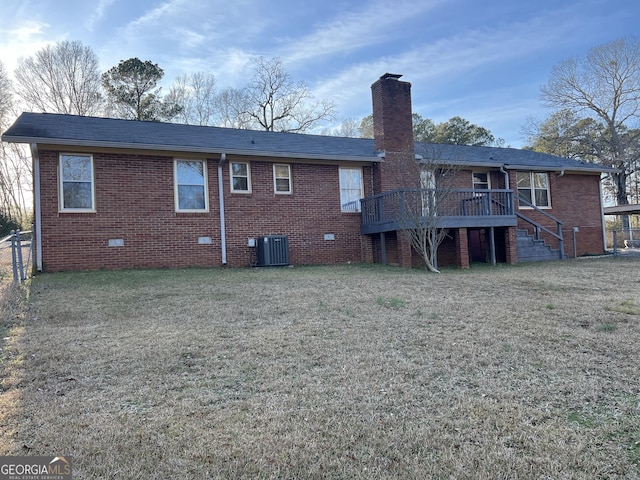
492 245
405 250
462 248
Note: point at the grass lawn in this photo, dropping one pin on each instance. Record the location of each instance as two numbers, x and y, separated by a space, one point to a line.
530 371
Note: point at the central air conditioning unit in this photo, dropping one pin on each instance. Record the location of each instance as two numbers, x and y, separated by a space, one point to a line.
273 250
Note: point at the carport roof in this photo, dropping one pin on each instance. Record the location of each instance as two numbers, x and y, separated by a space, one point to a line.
633 209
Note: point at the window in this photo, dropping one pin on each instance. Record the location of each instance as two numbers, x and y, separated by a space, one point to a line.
191 186
428 186
533 188
282 179
480 181
77 190
240 177
350 189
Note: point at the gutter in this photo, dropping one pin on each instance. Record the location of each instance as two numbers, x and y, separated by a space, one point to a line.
561 169
223 234
191 149
35 157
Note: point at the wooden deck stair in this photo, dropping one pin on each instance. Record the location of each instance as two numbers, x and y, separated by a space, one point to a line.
532 250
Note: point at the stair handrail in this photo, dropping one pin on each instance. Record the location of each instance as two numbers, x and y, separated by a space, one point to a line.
539 226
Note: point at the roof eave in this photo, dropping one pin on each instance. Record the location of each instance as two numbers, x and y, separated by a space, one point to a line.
561 168
545 168
189 149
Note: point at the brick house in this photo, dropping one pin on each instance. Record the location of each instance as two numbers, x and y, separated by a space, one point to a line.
113 193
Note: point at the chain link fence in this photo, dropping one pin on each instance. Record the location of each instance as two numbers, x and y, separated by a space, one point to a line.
16 256
626 241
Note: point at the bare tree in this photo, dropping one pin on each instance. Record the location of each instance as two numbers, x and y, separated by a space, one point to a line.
277 103
196 94
6 100
231 108
15 182
15 166
429 196
349 127
61 78
604 85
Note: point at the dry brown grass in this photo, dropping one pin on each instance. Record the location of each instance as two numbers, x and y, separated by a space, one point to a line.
333 372
12 321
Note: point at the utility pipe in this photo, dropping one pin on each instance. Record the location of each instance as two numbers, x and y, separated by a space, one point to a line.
35 156
223 234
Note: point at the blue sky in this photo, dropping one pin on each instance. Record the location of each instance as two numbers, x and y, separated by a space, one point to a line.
484 61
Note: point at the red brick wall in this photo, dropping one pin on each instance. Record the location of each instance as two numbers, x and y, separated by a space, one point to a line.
575 200
447 253
312 211
393 134
135 202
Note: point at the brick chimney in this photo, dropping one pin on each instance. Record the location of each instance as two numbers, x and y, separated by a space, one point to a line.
392 132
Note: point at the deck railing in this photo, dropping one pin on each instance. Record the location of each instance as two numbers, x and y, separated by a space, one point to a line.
459 207
538 227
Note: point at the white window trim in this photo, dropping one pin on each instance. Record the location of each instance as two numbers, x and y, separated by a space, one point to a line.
488 174
61 206
176 185
533 194
361 188
275 186
428 197
248 190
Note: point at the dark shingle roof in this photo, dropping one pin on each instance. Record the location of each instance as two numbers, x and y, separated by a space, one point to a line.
108 132
512 158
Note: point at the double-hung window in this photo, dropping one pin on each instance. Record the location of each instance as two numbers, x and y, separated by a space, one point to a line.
481 181
428 192
77 186
191 186
282 179
240 177
350 189
533 188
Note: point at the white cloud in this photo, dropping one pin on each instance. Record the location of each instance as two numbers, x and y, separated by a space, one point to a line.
436 68
357 29
23 41
98 13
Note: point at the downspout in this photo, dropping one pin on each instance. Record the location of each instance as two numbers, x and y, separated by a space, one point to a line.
506 177
37 204
604 226
506 185
223 234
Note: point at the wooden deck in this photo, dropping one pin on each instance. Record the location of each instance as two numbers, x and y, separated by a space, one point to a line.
399 209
